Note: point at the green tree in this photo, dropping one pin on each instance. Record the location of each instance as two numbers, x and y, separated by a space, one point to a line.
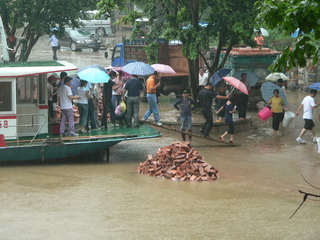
289 16
31 19
230 22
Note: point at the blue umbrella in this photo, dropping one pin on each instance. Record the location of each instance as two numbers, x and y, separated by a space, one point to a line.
315 86
94 75
251 76
295 34
138 68
93 66
217 76
267 89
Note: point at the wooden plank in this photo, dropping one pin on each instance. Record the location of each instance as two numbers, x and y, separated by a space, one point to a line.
222 144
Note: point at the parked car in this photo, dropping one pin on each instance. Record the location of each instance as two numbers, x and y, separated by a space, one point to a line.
77 39
100 26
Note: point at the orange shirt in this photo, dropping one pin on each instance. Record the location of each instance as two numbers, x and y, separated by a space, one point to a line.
151 83
259 40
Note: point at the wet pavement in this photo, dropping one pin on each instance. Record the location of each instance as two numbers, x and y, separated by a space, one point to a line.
253 199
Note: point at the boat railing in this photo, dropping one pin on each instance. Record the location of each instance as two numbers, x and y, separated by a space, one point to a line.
36 124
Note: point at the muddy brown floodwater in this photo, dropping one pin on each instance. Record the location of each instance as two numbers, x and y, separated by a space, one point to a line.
253 199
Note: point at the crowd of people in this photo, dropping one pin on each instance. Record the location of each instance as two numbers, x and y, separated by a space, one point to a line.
121 104
120 101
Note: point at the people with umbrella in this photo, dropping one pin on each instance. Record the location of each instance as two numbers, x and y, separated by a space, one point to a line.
152 86
83 93
93 75
53 40
242 99
229 108
205 99
133 88
108 105
259 39
308 104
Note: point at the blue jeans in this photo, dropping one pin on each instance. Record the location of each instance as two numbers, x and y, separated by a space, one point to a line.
83 110
91 115
153 107
185 123
116 99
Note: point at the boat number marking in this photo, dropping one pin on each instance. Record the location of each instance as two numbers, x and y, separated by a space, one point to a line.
4 124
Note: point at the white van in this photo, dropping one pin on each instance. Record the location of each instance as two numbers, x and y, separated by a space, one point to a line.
100 26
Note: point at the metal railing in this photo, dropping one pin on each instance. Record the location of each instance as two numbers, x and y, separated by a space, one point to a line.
35 122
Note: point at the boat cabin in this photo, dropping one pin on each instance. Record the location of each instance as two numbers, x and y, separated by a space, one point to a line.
24 97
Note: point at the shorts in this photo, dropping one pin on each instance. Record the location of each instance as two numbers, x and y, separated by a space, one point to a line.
185 123
308 124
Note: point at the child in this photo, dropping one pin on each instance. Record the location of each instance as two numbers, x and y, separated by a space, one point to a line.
221 102
277 108
308 105
184 105
120 113
228 108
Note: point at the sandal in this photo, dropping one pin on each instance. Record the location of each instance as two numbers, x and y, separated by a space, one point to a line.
231 141
221 139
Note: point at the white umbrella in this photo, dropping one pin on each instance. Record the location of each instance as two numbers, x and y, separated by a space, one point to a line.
275 76
263 31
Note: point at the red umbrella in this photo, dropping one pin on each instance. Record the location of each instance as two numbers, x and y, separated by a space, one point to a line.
162 68
237 84
124 74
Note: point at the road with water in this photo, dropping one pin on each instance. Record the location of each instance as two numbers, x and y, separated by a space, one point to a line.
254 197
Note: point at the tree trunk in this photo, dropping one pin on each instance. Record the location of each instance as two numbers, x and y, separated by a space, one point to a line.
194 63
194 76
225 56
32 40
215 63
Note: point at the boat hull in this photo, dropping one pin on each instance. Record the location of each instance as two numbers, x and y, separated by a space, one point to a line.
54 152
54 148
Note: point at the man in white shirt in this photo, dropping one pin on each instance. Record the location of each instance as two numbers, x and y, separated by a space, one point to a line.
308 105
203 77
65 99
55 45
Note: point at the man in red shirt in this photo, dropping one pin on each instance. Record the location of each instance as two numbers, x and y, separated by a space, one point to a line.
152 86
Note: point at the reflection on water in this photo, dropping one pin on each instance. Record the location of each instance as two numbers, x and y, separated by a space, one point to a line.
94 199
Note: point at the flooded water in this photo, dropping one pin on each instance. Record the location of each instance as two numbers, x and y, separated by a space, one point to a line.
253 199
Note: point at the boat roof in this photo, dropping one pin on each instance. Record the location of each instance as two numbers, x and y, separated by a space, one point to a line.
20 69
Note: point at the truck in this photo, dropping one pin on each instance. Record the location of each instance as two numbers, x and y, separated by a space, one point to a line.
169 54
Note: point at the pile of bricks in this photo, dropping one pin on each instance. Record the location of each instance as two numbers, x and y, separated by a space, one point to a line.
178 162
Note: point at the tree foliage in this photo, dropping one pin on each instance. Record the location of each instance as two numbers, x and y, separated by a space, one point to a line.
230 22
289 16
31 19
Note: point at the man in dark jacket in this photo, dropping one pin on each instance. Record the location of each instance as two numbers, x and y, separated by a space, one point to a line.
133 88
205 99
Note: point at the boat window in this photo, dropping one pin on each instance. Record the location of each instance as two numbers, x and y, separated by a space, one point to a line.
27 89
5 96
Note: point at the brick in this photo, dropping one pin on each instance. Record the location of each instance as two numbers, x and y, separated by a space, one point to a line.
193 177
178 162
